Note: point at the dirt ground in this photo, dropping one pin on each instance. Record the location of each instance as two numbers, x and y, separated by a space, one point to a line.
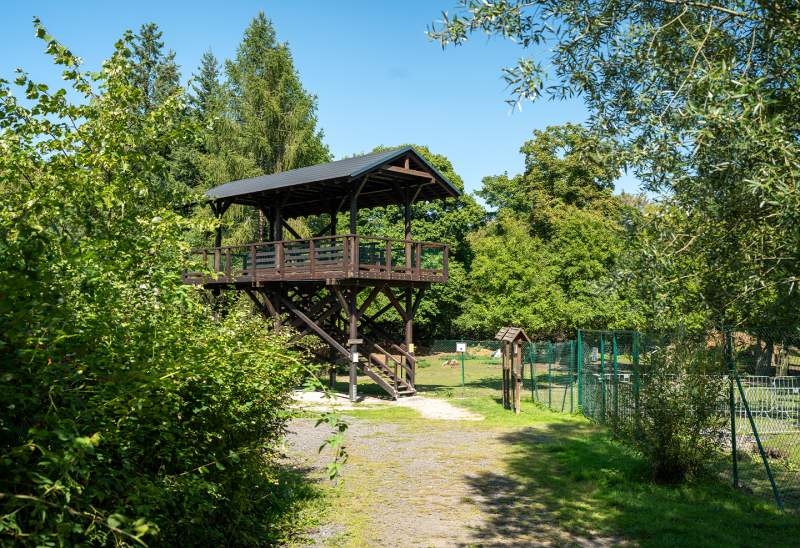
426 483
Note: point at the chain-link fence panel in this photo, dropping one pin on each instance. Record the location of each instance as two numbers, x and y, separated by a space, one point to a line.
763 410
767 410
600 374
551 374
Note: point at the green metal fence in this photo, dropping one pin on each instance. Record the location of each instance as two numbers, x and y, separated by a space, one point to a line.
762 410
599 374
552 374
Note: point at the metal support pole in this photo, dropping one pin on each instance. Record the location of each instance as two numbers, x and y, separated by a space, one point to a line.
775 492
603 374
550 375
532 360
579 358
571 377
636 379
732 405
463 384
616 379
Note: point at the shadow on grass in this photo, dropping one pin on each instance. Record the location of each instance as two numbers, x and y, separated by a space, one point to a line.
568 483
295 502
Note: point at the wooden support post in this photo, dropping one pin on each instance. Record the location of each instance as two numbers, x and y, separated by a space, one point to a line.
353 213
354 205
219 210
504 355
271 220
353 317
517 371
278 222
407 232
409 335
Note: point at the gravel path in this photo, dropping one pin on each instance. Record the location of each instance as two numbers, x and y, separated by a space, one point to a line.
426 483
429 408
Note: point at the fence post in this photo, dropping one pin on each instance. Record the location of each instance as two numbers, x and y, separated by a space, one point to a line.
635 350
549 374
603 375
732 405
616 379
775 492
569 366
532 359
579 358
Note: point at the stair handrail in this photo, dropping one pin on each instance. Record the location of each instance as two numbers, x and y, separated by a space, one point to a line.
409 358
380 350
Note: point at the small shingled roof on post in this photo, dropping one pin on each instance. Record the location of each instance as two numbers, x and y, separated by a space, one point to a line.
511 334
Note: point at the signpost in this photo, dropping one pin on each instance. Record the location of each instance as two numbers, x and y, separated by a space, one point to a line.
461 348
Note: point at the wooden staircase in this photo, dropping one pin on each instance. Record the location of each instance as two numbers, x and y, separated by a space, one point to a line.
384 376
374 362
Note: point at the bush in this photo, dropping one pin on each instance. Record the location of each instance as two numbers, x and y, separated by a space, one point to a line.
129 413
682 402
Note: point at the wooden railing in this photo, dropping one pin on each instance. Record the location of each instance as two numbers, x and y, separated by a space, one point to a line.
324 257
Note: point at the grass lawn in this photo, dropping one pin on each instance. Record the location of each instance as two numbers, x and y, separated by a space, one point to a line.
563 469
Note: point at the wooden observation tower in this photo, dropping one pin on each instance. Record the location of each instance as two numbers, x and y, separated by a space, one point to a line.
325 285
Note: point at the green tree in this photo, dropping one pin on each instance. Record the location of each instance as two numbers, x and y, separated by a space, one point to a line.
565 166
704 98
155 72
208 95
129 414
259 120
548 261
277 117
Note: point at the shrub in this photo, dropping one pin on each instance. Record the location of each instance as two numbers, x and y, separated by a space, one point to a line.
681 417
129 413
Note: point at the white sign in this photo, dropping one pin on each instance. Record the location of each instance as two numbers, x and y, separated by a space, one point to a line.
595 354
355 357
461 347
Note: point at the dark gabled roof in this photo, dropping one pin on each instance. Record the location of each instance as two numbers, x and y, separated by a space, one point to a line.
511 334
313 189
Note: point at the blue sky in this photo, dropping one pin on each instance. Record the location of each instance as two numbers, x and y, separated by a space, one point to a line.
379 80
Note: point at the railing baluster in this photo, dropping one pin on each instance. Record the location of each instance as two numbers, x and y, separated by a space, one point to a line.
356 248
228 262
418 260
311 256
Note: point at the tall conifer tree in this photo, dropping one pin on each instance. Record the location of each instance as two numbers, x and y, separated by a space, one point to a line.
278 117
155 73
